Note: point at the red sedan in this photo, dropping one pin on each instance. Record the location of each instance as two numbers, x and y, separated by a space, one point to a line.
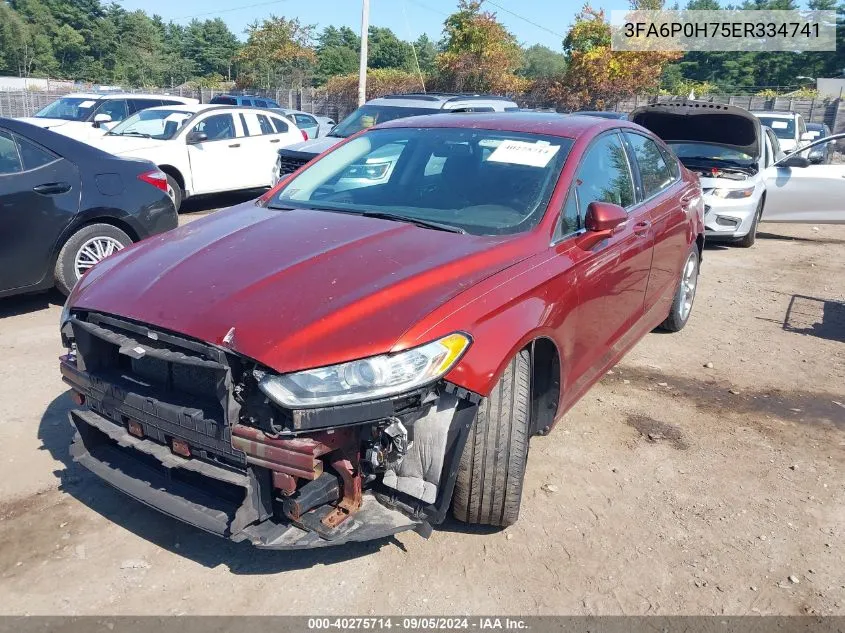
376 339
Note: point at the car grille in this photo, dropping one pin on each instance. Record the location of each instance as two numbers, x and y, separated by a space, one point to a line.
174 388
289 162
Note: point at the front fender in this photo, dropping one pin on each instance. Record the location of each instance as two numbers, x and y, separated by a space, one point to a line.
503 314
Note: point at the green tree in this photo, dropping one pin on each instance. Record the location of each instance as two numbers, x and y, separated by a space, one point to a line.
541 62
388 51
278 52
426 54
479 53
337 53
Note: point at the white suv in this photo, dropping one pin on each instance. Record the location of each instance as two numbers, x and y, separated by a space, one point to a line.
789 127
87 116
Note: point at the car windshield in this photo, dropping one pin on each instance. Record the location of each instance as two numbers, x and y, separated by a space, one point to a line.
369 115
783 128
483 182
708 152
815 130
157 124
69 109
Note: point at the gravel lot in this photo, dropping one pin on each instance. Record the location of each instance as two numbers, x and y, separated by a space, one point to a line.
674 487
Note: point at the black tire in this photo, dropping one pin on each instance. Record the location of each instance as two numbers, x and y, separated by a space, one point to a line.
66 274
678 316
175 192
488 489
751 236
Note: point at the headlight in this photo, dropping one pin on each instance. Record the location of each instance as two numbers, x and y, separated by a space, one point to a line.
371 171
733 193
368 378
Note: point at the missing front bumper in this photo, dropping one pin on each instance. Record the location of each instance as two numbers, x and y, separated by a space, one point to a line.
228 504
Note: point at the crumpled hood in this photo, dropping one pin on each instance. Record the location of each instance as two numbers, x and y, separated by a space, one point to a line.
48 124
118 145
301 288
702 121
315 146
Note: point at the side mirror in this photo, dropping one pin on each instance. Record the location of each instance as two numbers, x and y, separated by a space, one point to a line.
795 160
195 137
101 118
603 219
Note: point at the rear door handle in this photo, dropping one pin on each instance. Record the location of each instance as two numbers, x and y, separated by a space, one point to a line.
642 228
235 145
275 140
52 188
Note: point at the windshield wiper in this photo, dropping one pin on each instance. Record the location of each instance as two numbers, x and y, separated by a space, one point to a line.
130 133
426 224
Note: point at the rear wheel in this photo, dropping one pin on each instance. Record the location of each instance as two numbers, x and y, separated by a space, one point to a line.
751 236
86 247
685 295
488 489
174 191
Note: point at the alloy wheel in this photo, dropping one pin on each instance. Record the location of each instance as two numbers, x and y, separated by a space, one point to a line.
93 251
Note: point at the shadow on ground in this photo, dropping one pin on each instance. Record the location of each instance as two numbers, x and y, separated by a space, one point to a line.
815 317
25 304
56 434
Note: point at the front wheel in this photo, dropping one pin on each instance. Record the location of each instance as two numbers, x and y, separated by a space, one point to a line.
751 237
488 489
88 246
684 296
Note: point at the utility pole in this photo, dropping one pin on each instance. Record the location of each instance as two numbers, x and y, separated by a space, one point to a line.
362 68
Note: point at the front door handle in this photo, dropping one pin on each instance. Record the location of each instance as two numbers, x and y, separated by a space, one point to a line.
235 145
275 140
52 188
642 228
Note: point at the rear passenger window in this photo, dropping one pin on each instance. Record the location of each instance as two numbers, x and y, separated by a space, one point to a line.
32 155
281 126
246 102
142 104
266 126
654 172
260 103
10 162
604 176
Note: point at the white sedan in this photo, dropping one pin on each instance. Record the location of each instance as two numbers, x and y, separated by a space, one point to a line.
204 148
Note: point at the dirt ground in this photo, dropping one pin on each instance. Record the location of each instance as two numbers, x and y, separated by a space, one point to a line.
673 487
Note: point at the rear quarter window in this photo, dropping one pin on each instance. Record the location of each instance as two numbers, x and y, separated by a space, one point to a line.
224 101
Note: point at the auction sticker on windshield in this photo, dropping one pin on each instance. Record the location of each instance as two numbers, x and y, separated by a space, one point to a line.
523 153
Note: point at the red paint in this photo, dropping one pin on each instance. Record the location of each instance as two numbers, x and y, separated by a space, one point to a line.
308 288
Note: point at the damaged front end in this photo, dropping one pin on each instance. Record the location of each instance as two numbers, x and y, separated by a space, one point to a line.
185 427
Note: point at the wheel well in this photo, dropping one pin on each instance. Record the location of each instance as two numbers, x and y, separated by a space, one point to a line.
170 170
118 224
762 203
699 241
545 384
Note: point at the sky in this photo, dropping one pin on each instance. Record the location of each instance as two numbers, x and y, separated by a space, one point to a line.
539 22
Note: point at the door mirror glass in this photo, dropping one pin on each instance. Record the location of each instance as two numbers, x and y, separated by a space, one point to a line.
604 216
795 160
195 137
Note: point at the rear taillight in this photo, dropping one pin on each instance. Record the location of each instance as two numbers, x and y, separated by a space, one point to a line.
156 178
304 135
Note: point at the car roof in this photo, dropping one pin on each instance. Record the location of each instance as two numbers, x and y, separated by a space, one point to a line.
528 122
119 95
438 100
775 114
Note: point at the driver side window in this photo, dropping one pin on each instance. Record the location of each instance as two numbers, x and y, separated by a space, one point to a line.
604 175
115 108
217 127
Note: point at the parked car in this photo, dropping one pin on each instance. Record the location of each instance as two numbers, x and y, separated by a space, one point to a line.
248 101
604 114
204 148
385 109
789 127
744 174
87 116
820 154
324 365
65 205
314 126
